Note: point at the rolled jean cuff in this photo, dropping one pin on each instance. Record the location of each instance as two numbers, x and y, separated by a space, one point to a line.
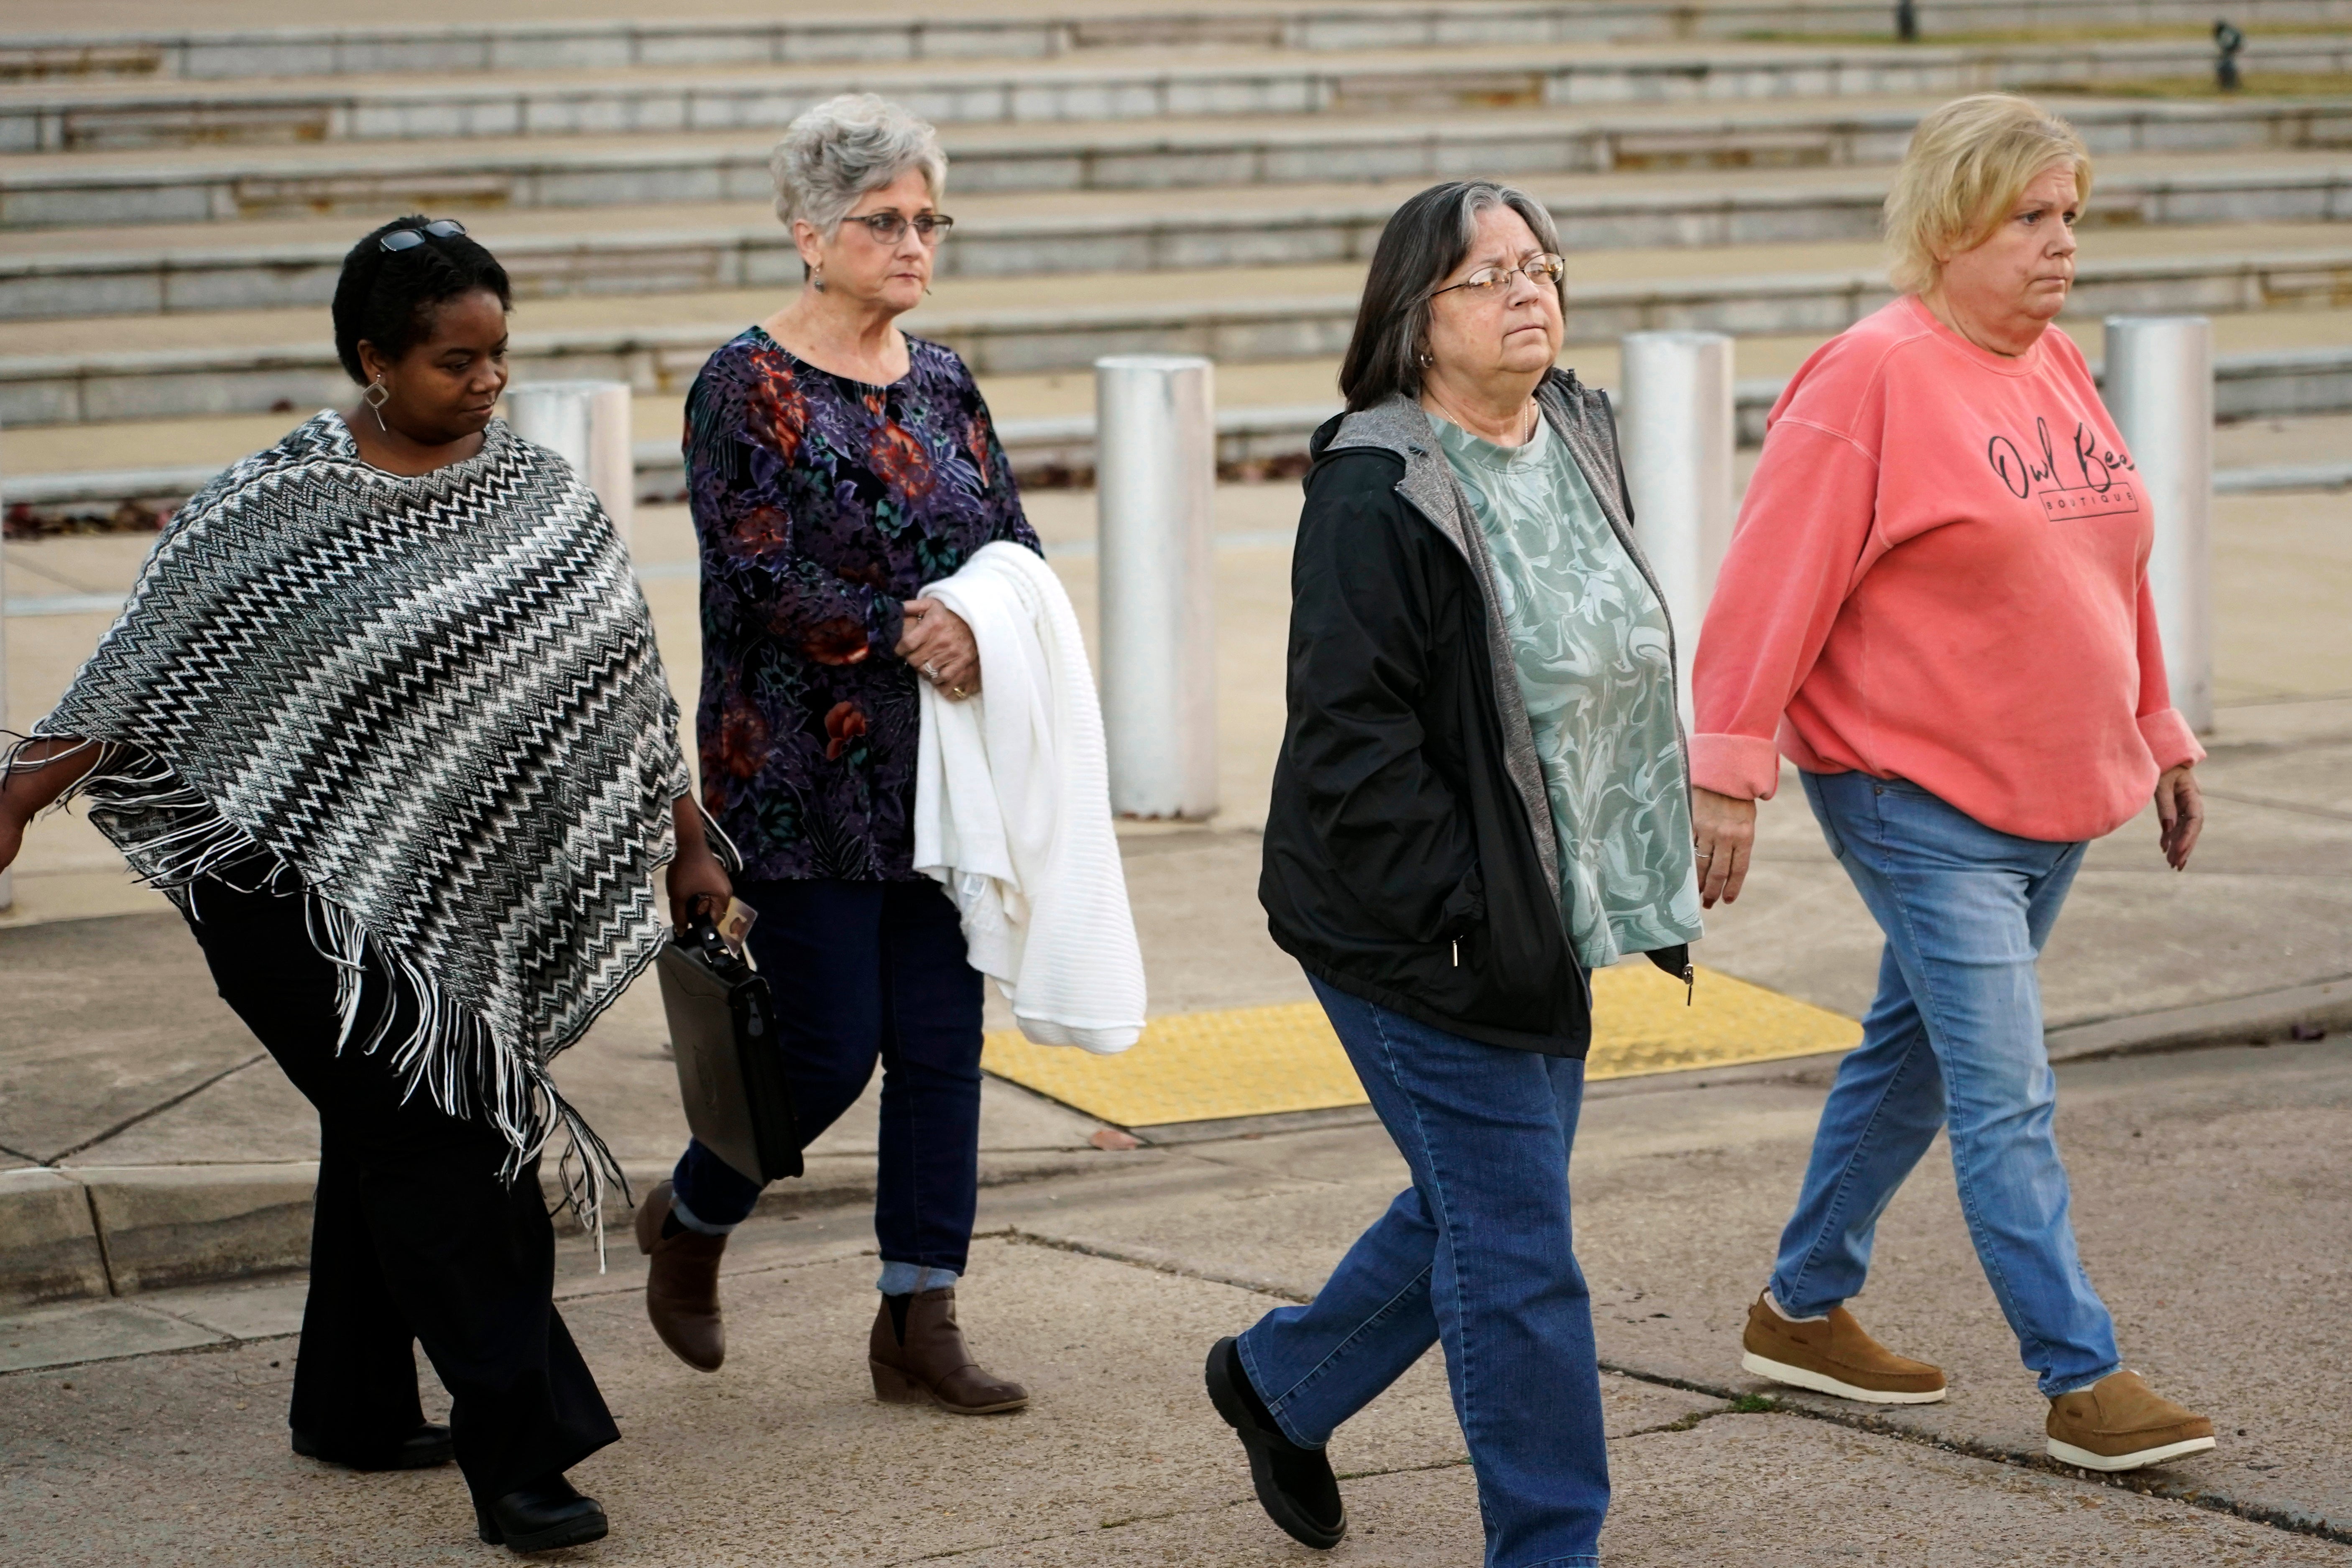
686 1219
2078 1384
913 1278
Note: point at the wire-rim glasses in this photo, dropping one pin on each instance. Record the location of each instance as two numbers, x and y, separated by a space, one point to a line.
1546 268
888 228
401 239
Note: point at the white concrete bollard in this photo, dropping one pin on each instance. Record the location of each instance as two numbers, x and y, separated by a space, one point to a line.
2160 387
1155 491
585 423
1678 431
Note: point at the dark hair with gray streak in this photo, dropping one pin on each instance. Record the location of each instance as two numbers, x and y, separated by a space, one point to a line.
1426 238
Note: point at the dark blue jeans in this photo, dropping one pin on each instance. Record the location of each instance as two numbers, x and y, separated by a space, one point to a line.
861 971
1475 1254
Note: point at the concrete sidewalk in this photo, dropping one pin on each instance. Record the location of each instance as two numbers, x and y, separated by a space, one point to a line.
2212 1195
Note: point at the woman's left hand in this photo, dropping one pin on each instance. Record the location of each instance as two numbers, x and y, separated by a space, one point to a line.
2180 813
938 643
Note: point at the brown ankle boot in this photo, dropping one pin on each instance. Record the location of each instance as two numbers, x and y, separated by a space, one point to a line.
917 1357
682 1287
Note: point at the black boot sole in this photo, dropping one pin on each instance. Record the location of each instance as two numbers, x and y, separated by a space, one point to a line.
421 1459
1279 1506
571 1532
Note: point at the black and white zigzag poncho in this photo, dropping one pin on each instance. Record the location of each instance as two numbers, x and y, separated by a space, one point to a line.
435 704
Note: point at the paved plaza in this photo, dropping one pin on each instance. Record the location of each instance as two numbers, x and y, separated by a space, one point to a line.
177 182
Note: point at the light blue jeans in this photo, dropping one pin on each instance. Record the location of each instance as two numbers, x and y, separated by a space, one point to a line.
1953 1041
1475 1254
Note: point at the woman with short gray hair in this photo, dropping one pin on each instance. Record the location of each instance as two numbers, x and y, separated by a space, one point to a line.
1480 798
835 465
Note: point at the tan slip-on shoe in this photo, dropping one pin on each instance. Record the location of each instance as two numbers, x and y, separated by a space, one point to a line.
1833 1355
2121 1424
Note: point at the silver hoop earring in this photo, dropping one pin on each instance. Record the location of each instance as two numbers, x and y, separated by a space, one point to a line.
1426 360
376 395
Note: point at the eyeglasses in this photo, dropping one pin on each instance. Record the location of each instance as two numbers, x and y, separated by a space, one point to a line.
401 239
1541 271
890 227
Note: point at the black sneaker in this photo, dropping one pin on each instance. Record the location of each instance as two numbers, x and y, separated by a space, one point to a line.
1294 1485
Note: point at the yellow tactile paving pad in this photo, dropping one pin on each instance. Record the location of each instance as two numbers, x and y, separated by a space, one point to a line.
1257 1061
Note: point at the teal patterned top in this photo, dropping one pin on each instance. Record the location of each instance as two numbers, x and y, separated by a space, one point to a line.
1591 642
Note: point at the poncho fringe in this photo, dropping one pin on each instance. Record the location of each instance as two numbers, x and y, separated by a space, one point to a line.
462 601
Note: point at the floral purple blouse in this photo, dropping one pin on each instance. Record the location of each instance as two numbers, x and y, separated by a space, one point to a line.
821 504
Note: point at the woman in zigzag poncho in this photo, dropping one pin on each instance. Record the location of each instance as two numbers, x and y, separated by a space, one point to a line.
384 718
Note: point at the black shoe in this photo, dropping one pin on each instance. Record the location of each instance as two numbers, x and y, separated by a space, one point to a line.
421 1451
1294 1485
542 1516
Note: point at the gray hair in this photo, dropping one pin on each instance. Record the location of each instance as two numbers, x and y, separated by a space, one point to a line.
844 147
1426 239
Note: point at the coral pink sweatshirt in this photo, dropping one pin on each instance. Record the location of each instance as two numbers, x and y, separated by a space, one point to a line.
1940 575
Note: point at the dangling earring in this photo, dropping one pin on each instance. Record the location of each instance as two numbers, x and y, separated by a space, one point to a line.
816 279
376 395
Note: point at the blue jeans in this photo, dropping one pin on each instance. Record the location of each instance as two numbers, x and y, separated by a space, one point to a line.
1954 1041
864 972
1475 1254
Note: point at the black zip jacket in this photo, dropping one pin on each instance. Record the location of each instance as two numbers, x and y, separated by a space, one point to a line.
1410 853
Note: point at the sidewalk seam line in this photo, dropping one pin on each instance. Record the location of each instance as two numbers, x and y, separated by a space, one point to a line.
1111 1253
220 1336
2130 1482
2139 1482
180 1099
97 1233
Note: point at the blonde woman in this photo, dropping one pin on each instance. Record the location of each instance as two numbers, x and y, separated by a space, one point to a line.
1938 602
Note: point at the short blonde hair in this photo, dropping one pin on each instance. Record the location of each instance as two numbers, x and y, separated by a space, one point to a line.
1967 166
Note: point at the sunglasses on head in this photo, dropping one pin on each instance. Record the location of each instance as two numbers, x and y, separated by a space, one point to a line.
401 239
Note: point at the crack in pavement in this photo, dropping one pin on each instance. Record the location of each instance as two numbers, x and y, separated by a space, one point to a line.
1740 1402
180 1099
1160 1263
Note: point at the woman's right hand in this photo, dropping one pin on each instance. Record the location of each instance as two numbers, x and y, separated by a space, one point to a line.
43 771
942 647
1723 829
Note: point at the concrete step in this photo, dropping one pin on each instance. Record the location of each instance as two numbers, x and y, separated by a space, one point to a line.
625 250
235 184
1048 398
70 372
45 117
1043 32
2285 412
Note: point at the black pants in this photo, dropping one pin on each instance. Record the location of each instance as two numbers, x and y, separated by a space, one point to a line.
415 1237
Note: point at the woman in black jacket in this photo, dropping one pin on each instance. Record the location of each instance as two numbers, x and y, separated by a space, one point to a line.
1482 795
